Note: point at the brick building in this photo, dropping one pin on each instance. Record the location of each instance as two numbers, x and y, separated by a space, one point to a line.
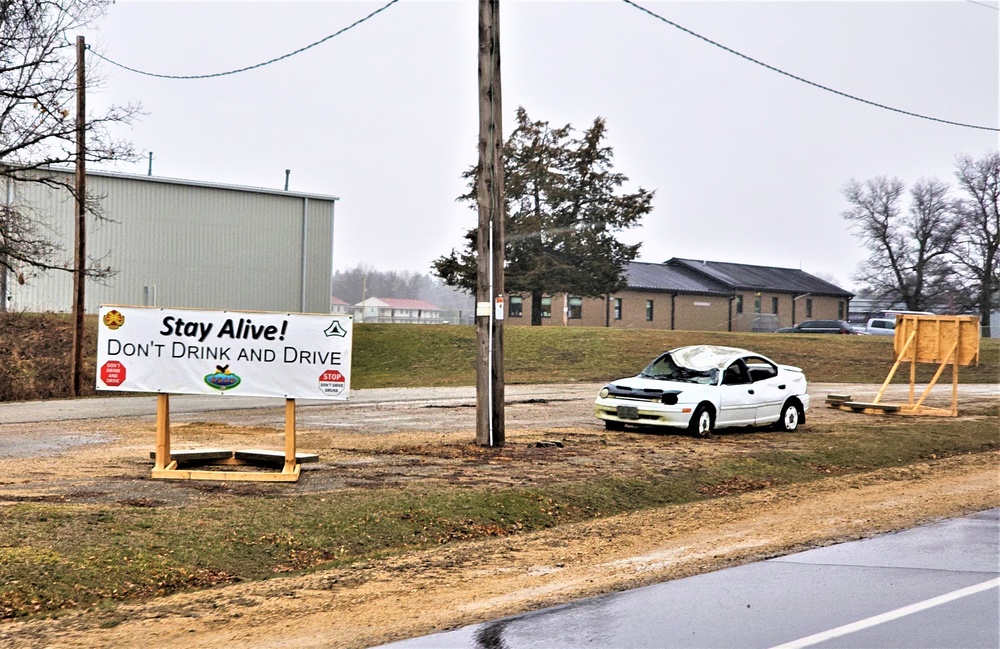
693 295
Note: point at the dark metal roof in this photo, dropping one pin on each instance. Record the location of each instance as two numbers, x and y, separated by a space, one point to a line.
745 277
660 277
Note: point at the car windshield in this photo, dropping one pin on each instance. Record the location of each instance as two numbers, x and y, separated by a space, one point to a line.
665 369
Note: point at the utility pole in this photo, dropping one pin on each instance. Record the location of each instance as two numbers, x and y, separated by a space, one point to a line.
80 244
490 249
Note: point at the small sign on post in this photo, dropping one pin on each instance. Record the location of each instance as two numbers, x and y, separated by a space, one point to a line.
113 373
498 308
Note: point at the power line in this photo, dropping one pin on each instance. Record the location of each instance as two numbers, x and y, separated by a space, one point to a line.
983 4
797 78
249 67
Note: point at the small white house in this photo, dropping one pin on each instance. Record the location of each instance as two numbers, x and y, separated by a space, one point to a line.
339 306
398 310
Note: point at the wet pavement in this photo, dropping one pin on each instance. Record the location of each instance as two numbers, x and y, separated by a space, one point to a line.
934 586
145 405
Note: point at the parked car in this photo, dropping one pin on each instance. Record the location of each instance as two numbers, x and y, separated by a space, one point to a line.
704 388
819 327
881 327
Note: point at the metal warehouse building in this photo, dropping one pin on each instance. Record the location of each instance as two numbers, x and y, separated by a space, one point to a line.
180 243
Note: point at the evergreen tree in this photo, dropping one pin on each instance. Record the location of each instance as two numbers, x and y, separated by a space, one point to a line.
564 209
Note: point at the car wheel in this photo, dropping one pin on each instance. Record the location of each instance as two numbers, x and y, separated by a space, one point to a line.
613 425
790 418
702 422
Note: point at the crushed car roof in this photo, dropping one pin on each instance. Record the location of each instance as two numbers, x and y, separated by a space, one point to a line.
705 357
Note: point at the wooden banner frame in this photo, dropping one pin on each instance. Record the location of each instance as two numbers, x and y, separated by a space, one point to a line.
941 340
165 464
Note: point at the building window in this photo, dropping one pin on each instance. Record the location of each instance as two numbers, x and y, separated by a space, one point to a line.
840 310
546 307
574 308
516 306
618 308
809 307
649 310
756 303
739 304
774 305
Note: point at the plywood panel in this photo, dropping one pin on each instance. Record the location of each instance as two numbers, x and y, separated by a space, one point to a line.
936 337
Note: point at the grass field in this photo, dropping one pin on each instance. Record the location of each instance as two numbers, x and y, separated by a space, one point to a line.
36 350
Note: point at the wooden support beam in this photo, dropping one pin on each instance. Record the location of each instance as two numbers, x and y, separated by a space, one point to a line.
290 463
162 431
937 375
895 366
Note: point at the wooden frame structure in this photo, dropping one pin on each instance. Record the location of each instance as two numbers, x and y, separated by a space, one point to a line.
165 463
941 340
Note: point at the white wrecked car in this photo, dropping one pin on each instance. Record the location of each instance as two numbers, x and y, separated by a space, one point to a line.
704 387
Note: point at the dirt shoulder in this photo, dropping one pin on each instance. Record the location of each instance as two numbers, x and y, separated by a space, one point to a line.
423 591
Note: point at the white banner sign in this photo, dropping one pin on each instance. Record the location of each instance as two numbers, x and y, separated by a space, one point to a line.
190 351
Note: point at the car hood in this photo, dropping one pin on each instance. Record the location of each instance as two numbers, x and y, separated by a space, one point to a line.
638 384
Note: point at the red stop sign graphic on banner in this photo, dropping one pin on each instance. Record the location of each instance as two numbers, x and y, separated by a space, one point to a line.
113 373
332 382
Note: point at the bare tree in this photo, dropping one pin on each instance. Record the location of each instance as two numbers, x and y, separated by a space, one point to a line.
977 249
37 127
908 249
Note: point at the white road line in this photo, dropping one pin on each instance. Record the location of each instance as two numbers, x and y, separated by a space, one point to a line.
889 616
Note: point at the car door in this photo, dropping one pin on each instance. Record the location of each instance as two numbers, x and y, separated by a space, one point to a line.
737 397
769 389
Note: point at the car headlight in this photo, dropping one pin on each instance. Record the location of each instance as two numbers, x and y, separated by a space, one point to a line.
603 393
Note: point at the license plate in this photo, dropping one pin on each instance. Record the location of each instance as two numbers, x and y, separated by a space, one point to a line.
628 412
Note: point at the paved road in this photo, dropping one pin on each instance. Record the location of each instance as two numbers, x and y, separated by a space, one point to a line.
934 586
141 406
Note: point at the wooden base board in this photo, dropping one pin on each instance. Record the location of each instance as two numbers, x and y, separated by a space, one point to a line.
222 457
253 455
893 409
228 476
218 456
924 411
197 455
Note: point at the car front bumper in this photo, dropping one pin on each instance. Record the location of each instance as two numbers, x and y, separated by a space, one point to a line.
643 413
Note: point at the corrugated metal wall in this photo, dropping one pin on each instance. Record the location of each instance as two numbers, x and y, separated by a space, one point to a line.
188 245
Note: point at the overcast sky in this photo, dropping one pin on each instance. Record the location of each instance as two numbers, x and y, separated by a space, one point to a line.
747 164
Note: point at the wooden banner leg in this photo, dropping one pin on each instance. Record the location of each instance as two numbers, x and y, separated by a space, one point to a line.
162 431
289 436
913 379
895 366
954 386
934 380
